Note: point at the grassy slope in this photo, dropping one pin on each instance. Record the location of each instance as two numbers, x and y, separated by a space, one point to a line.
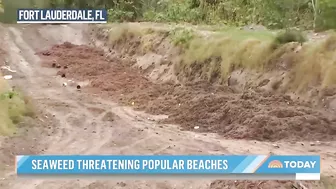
214 55
314 63
13 106
6 123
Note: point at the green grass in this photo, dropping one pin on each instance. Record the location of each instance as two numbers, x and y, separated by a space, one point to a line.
13 106
290 36
181 37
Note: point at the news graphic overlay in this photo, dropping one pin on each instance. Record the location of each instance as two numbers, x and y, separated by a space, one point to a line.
254 167
31 16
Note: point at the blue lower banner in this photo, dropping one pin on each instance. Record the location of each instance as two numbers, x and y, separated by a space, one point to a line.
295 167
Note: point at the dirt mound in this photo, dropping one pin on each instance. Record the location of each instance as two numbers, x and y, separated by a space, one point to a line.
251 115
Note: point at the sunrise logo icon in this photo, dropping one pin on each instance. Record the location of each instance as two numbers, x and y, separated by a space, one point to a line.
275 164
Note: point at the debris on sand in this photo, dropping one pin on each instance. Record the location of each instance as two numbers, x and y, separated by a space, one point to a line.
65 84
71 82
78 87
276 146
122 184
61 73
46 53
8 68
8 77
109 116
150 119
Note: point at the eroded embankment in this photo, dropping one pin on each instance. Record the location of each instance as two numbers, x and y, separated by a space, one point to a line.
258 60
252 114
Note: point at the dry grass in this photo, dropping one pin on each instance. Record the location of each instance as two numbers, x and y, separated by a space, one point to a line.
316 64
217 56
124 32
126 38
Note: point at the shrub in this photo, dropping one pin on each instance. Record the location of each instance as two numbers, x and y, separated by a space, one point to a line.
13 106
181 36
289 36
